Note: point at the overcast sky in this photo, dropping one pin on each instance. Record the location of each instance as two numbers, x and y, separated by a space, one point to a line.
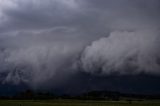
52 41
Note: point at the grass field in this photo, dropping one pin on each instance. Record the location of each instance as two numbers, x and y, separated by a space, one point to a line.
75 103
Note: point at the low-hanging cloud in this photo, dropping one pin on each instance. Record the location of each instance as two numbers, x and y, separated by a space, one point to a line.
46 42
124 52
38 64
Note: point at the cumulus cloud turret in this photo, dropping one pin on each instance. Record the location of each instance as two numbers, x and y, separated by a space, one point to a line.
124 52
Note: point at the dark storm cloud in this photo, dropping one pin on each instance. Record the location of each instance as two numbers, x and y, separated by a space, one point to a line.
49 41
37 14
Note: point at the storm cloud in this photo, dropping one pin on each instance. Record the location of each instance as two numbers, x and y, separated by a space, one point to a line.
124 53
50 41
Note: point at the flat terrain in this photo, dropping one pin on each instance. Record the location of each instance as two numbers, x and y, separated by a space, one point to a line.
75 103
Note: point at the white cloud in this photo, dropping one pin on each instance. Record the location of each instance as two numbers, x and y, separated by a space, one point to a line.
124 53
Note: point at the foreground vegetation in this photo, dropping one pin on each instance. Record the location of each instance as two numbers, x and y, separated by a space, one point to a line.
76 103
92 98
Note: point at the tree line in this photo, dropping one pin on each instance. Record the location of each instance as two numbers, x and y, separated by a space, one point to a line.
91 95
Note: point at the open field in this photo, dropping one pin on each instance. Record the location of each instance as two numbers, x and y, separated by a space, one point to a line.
75 103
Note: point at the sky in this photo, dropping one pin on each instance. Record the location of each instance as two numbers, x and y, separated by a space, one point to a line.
79 45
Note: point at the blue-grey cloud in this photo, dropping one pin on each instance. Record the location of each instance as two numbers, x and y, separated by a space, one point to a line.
49 41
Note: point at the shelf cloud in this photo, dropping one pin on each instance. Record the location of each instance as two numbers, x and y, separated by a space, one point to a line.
48 42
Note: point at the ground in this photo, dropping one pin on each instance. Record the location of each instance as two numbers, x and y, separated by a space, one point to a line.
75 103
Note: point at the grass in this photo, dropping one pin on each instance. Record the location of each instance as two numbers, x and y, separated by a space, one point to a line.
75 103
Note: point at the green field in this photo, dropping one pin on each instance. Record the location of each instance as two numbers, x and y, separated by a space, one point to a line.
75 103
